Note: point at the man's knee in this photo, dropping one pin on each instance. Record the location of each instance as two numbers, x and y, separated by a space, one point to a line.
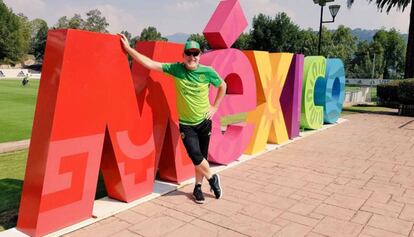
197 160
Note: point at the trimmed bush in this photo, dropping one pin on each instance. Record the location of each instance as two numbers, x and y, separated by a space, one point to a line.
388 94
406 92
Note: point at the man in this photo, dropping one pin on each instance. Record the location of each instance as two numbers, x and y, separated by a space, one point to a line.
25 80
192 82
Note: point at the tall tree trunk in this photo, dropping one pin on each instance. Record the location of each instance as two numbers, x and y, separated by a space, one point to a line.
409 59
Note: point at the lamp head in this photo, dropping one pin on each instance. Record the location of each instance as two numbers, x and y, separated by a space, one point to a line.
334 9
322 2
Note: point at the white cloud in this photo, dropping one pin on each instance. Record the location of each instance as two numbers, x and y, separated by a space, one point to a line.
365 15
119 19
185 5
267 7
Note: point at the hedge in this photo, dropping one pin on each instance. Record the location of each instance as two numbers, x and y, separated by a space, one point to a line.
406 92
396 92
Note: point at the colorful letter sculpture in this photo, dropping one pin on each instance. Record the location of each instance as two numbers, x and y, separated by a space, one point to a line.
87 109
238 74
271 71
225 26
92 114
291 98
334 87
175 165
312 112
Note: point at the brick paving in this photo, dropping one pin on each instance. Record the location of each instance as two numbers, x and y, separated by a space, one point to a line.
355 179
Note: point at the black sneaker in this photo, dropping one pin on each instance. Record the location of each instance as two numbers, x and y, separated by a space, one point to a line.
215 185
198 194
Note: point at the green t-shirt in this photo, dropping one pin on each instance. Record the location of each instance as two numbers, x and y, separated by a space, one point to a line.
192 88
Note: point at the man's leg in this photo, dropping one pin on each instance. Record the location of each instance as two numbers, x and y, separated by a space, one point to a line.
191 143
204 133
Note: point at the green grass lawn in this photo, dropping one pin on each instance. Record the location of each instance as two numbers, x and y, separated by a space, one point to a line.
372 91
373 109
12 169
351 88
17 106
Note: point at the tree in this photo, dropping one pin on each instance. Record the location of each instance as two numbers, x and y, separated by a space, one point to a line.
365 56
261 34
279 34
151 34
308 42
400 4
14 35
394 51
76 22
343 45
35 25
95 21
285 33
327 42
24 38
201 40
38 41
243 42
63 23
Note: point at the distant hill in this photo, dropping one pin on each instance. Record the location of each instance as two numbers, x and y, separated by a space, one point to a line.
361 34
368 35
178 37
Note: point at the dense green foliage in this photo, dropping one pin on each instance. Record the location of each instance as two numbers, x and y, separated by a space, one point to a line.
406 92
38 40
94 21
150 33
386 51
388 93
201 40
396 92
400 5
14 35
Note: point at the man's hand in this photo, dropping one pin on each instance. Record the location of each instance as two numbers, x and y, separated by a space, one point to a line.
140 58
211 111
124 41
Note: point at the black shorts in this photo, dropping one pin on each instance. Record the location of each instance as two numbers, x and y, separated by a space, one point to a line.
196 139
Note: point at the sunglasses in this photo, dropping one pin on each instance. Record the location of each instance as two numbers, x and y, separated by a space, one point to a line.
194 53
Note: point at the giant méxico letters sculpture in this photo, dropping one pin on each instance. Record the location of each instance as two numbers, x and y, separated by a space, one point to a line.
92 113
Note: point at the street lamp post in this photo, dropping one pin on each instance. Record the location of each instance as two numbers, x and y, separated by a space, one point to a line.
334 11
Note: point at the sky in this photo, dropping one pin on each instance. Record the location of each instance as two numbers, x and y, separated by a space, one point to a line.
191 16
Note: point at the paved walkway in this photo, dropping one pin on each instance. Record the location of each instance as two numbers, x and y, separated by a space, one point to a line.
355 179
14 146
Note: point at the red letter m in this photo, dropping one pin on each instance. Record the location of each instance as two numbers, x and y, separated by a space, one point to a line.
90 115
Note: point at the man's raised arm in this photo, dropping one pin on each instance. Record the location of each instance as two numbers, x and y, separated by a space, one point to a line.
140 58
